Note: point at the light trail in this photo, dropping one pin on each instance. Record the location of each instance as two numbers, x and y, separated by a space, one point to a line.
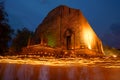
106 62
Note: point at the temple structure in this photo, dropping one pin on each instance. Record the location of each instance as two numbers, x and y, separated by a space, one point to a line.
67 32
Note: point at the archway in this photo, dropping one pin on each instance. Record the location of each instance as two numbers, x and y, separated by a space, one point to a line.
69 39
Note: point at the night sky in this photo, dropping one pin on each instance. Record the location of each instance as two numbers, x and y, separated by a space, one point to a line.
103 15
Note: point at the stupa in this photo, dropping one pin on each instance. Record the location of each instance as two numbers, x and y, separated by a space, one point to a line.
65 32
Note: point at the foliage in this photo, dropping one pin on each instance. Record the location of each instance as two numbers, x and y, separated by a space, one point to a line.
109 51
5 30
20 40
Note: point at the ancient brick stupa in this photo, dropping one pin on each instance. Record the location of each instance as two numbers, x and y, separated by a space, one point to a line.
65 31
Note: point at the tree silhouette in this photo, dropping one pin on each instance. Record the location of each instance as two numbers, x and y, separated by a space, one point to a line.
20 40
5 30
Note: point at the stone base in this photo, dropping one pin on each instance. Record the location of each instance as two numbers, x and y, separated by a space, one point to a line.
43 51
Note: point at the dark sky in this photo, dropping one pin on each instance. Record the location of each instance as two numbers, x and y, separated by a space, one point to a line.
102 15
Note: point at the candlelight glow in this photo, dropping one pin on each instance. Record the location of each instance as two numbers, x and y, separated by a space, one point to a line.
36 60
33 67
88 37
114 56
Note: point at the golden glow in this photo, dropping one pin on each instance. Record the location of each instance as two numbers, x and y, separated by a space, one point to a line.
47 61
89 46
65 52
88 37
61 62
114 56
72 47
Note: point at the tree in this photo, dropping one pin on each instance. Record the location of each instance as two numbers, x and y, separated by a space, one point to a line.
5 30
20 40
